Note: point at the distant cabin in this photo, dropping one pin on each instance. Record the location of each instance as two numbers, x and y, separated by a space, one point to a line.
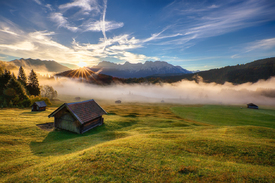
77 98
252 106
118 101
39 106
78 117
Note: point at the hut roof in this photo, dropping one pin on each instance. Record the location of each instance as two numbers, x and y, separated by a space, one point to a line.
251 104
40 103
84 111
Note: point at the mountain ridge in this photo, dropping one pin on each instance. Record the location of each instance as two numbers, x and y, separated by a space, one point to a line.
137 70
237 74
40 65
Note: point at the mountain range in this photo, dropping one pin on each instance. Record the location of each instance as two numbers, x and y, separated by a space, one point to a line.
39 65
237 74
129 70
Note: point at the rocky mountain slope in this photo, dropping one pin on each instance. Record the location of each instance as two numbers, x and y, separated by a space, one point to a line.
129 70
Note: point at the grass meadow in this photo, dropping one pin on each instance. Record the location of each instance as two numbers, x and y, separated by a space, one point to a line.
142 143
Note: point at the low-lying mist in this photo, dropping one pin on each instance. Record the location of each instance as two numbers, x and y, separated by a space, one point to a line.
183 92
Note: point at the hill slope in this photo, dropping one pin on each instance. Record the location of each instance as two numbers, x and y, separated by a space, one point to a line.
128 70
140 143
89 76
40 65
250 72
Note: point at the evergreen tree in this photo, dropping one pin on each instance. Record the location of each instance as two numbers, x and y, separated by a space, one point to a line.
13 76
33 84
4 79
16 92
22 76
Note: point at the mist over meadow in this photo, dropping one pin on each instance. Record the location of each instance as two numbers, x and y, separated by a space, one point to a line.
183 92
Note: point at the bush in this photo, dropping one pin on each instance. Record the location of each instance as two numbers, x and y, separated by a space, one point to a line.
39 98
25 103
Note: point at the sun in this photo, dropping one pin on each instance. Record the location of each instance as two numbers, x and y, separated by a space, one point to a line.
82 64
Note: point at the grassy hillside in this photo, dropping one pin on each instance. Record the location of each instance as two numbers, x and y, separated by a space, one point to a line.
142 143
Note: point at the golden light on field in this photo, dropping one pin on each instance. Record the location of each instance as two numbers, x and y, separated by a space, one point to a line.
82 64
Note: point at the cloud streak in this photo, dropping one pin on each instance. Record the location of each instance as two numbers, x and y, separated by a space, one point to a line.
62 21
203 21
261 44
84 5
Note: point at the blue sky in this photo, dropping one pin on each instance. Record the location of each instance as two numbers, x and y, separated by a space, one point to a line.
195 34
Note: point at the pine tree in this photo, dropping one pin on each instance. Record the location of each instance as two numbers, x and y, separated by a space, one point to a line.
12 75
4 79
22 76
15 91
33 84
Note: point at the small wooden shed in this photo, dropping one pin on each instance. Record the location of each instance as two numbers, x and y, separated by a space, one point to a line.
118 101
252 106
39 106
78 117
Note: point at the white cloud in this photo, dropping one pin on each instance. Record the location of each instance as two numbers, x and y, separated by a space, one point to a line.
134 58
7 30
38 2
198 22
84 5
49 7
62 21
98 26
261 44
19 46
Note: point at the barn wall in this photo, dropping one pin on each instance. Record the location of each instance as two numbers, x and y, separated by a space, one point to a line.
65 120
36 108
91 124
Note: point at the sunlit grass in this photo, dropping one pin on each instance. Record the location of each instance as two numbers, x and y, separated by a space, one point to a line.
140 143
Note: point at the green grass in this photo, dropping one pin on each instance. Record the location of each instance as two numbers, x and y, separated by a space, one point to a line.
142 143
228 115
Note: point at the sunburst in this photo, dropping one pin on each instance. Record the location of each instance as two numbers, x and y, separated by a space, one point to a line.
82 64
83 73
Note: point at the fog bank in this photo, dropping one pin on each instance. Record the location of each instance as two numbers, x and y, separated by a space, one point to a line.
183 92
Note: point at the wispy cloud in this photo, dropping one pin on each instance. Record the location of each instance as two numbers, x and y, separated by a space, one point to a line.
39 44
261 44
199 21
98 26
37 1
7 30
62 21
24 46
133 58
103 19
84 5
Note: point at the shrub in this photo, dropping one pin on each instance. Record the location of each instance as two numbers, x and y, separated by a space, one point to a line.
39 98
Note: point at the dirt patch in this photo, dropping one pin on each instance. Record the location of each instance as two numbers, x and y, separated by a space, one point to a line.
46 126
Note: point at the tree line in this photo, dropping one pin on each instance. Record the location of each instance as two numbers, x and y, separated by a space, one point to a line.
23 90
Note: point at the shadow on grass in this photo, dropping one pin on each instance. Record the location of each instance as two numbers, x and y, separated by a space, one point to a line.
132 115
60 142
31 112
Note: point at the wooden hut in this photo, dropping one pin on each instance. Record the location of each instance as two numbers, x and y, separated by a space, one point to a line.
39 106
118 101
78 117
252 106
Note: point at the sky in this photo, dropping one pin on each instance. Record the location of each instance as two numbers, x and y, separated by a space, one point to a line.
194 34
